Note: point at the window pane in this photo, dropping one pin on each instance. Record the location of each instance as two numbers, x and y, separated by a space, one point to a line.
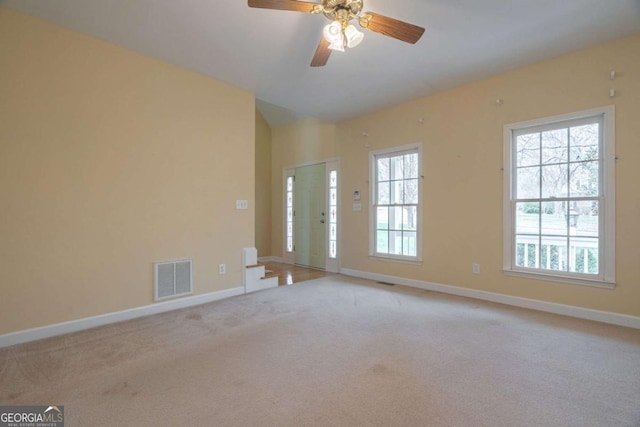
555 147
397 191
585 220
333 249
554 218
592 261
411 165
383 193
410 218
584 142
583 254
289 214
383 169
585 179
554 181
289 184
333 232
520 254
411 191
528 150
395 218
289 244
382 242
531 254
528 183
397 167
409 243
528 218
527 250
395 242
555 254
382 218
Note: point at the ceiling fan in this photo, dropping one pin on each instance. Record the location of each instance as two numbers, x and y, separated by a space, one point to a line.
340 33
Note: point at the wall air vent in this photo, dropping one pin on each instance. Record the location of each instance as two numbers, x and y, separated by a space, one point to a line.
172 279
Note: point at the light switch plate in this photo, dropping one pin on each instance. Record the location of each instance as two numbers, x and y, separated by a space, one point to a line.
242 204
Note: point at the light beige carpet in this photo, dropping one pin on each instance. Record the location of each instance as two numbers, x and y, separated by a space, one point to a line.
336 352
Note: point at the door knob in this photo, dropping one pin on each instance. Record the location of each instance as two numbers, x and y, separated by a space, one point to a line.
322 221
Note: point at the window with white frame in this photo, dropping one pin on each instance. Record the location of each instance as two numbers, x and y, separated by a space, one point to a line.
559 198
396 210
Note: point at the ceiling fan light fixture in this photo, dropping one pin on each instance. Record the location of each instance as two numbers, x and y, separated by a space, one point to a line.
340 34
333 33
353 36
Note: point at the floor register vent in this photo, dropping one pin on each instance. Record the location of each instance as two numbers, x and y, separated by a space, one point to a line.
172 279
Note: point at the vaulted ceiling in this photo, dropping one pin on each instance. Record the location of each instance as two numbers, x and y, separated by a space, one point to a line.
268 52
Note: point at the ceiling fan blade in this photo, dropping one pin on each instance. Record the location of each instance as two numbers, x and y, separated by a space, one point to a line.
391 27
322 54
294 5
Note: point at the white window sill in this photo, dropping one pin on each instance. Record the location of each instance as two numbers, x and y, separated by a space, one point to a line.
561 279
401 260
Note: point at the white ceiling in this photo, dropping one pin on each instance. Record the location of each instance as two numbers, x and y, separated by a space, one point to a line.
268 52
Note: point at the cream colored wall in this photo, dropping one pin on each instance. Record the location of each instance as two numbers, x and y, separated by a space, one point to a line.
263 186
307 140
462 158
110 161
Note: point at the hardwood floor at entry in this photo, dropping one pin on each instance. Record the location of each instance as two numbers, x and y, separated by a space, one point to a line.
288 274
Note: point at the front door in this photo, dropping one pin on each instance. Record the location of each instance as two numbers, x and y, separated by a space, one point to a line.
310 216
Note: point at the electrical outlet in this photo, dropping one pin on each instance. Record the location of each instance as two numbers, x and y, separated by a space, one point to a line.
222 269
476 268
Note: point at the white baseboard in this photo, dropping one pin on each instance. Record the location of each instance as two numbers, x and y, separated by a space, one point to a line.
271 259
549 307
27 335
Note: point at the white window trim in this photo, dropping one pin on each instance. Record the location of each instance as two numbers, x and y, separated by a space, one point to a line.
606 279
372 206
